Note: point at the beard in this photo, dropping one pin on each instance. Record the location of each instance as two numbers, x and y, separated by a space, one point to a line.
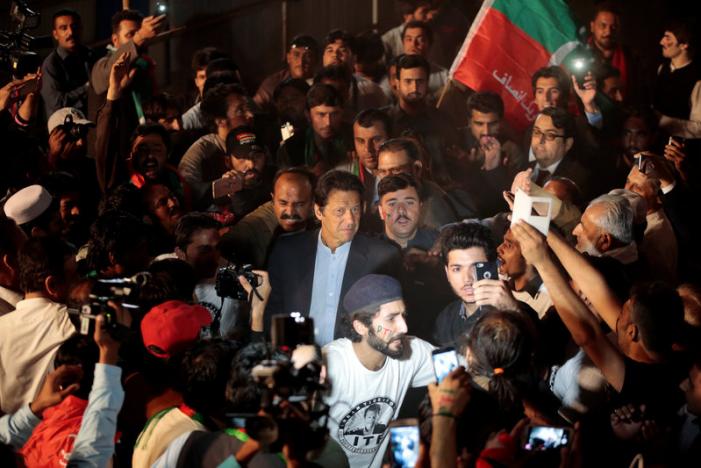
251 181
378 344
586 246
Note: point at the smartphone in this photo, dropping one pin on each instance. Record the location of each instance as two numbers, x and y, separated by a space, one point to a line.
161 8
486 270
542 438
287 131
224 187
580 68
678 139
404 443
444 361
28 87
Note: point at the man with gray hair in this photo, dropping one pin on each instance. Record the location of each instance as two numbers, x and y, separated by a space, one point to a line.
606 229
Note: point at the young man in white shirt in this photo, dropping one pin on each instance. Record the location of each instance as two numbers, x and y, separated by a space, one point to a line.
371 370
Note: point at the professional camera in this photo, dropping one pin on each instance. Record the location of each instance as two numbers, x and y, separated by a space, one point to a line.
295 379
17 46
122 290
73 131
227 281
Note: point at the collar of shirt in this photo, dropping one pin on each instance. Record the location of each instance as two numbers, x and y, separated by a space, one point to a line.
63 53
534 286
340 250
10 296
466 312
626 254
551 168
672 68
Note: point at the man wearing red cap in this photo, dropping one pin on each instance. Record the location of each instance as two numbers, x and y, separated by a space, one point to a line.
167 330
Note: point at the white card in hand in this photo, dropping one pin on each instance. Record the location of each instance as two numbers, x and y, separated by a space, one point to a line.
536 211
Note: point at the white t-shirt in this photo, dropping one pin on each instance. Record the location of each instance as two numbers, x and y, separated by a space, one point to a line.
363 402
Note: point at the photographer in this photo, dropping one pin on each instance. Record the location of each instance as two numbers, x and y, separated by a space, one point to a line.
80 430
272 437
68 147
94 445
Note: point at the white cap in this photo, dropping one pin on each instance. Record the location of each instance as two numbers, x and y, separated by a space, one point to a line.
27 204
59 118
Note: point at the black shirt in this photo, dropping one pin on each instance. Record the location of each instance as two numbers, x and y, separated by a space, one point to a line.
453 323
655 385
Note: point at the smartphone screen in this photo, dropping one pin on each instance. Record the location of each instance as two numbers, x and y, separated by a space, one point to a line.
404 446
444 361
539 438
486 270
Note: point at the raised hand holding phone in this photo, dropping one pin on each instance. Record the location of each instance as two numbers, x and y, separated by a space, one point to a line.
445 360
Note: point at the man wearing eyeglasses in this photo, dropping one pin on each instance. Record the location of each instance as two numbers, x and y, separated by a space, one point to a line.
551 141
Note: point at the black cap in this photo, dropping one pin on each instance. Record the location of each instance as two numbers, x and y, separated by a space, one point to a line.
304 41
241 142
371 291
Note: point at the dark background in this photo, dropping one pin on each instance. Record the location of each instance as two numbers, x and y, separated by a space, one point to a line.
252 30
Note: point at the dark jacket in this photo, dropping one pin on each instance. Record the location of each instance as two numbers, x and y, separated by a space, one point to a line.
291 271
577 173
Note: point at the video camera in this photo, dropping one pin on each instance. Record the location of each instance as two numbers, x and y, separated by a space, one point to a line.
295 380
122 290
17 45
227 281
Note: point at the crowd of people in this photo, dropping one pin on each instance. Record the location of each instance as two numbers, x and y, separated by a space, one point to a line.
239 278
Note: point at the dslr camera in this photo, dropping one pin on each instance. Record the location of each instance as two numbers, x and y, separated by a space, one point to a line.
73 131
227 281
122 290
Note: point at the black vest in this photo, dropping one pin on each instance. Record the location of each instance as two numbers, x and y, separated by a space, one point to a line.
673 90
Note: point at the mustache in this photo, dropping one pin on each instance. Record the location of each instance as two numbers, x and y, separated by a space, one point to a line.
291 217
253 171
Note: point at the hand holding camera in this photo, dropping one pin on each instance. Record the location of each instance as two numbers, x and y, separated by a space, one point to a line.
259 299
104 336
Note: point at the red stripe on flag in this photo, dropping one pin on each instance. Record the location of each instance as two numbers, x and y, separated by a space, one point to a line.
502 58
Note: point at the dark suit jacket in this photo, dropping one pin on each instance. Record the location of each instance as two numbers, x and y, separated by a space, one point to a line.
577 173
291 270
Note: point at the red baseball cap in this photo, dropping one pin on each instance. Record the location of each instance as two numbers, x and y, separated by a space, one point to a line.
171 326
